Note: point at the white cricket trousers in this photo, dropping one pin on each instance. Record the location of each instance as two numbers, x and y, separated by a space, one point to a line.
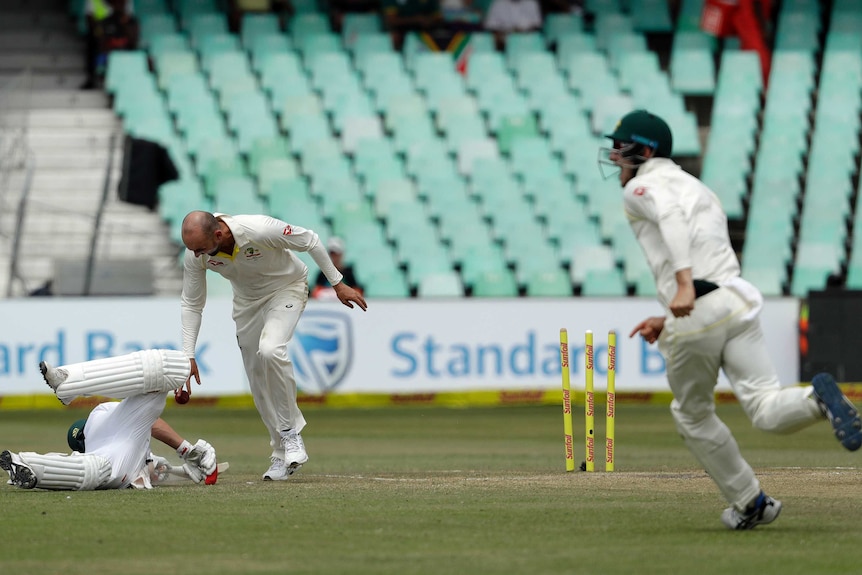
722 334
120 432
263 329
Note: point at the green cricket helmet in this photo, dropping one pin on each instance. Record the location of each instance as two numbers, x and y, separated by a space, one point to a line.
642 127
75 436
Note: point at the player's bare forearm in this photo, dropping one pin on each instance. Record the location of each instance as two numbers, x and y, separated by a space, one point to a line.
683 302
165 433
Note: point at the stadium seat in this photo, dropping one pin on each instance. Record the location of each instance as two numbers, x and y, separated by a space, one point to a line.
440 285
604 282
495 284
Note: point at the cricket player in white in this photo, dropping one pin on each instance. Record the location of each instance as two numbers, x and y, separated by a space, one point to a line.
270 290
117 434
711 321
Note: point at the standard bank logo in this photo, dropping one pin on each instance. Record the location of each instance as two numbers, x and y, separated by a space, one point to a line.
321 350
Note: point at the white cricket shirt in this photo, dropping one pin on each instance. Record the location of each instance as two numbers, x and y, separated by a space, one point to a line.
262 264
679 223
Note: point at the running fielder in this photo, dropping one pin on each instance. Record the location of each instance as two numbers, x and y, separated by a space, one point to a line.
711 320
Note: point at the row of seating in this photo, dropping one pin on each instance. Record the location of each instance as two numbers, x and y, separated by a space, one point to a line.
487 177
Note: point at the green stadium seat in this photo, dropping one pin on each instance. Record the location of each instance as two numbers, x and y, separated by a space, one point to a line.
609 25
126 67
651 16
605 283
590 258
495 284
179 197
442 284
312 45
386 285
264 46
154 25
692 72
559 24
645 284
551 283
254 26
519 44
175 63
626 43
689 15
304 24
768 279
205 24
290 199
213 44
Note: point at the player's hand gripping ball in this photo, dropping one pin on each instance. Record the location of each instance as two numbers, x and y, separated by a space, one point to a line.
182 397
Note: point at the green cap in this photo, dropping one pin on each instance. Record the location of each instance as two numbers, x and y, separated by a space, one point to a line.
75 436
644 128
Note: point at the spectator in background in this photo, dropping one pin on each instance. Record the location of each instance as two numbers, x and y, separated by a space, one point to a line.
118 31
401 16
96 12
322 288
506 16
462 15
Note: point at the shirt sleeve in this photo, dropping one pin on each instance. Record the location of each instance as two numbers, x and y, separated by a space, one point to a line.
279 234
192 301
661 207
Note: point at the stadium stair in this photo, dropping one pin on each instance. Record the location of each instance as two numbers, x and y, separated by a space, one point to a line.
69 137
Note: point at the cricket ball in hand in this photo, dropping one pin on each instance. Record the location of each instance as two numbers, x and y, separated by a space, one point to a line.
182 397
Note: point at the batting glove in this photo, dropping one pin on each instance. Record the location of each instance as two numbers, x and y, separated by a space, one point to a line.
200 462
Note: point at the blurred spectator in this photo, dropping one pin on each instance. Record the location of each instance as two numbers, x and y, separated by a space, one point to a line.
505 16
464 15
96 12
236 9
322 288
727 18
117 31
400 16
575 7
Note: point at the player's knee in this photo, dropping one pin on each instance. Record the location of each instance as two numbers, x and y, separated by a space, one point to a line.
270 351
692 425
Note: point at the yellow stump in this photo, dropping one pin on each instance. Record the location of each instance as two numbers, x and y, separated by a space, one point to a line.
567 401
612 403
589 404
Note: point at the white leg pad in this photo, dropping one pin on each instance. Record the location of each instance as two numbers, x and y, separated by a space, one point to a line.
126 375
59 472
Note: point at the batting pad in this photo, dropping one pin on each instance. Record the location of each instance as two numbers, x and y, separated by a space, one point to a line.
126 375
76 472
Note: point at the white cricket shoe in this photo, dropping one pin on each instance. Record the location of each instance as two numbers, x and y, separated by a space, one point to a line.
19 474
294 448
764 510
278 471
54 376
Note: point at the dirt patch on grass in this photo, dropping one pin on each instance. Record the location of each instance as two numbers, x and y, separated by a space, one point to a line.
828 482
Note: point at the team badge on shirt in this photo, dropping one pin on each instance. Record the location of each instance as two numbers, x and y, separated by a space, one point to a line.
321 350
252 252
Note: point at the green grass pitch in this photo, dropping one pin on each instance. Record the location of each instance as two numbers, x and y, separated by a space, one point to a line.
434 490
